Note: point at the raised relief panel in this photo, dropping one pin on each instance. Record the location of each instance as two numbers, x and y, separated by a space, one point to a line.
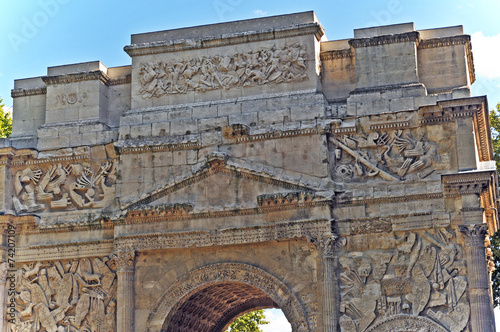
421 278
265 66
74 295
63 187
394 156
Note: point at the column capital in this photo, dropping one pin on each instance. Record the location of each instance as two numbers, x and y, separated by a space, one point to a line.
125 261
327 243
474 234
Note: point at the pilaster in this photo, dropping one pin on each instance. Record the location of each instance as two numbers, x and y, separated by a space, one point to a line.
477 274
126 293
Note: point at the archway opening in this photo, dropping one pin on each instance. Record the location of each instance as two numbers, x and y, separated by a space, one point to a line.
213 307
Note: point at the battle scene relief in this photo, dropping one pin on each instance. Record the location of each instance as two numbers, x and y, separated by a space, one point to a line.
421 279
66 296
64 187
265 66
394 156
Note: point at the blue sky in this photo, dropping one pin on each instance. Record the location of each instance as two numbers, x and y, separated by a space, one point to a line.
36 34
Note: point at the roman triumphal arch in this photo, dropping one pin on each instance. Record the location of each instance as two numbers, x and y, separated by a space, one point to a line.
246 165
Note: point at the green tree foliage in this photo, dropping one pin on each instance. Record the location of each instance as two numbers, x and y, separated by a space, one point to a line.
5 122
495 239
249 322
495 133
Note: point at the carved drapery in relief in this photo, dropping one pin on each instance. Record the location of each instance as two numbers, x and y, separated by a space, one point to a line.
66 296
265 66
394 156
59 187
423 277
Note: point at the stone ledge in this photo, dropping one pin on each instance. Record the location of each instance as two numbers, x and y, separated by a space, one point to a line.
224 39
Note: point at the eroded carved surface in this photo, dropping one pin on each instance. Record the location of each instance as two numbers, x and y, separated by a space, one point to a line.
394 156
223 273
75 295
58 187
211 308
267 65
423 275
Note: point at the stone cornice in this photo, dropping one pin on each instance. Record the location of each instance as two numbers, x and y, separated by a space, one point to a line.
64 251
96 75
336 54
120 80
456 185
151 216
141 148
231 236
224 40
340 201
28 92
452 41
450 110
384 40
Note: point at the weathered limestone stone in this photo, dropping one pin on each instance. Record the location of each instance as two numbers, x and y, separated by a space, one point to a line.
253 164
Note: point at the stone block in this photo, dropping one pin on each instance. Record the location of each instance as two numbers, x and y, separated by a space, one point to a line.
401 104
200 112
155 117
228 109
139 131
249 119
212 123
273 117
131 120
306 112
180 114
183 127
160 129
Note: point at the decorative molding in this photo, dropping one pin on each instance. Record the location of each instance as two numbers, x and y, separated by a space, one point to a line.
456 185
225 40
245 69
146 216
230 236
96 75
50 252
348 201
120 80
384 40
441 113
336 54
28 92
158 148
444 41
32 228
239 136
391 125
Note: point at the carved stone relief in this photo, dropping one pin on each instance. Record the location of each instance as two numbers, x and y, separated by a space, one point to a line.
64 187
422 276
63 100
394 156
229 272
252 68
66 296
